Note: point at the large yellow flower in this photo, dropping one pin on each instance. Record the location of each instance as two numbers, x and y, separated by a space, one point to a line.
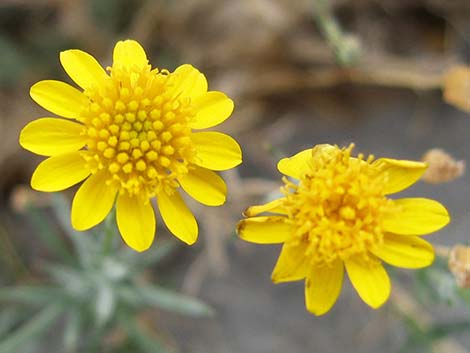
338 216
132 137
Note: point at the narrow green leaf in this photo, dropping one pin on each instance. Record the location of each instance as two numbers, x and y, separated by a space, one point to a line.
72 281
33 328
141 338
9 317
31 295
172 301
105 304
72 330
129 296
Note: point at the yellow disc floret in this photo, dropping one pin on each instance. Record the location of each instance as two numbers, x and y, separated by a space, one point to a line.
338 206
138 130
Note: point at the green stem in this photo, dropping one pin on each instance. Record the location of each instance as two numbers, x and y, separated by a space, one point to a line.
109 232
346 47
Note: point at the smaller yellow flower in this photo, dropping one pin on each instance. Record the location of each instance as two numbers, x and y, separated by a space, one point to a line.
133 134
338 216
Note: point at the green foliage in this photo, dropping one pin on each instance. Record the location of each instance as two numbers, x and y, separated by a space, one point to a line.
437 285
32 328
96 289
434 285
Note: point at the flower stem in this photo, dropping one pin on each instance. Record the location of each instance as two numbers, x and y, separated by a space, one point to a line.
109 231
346 47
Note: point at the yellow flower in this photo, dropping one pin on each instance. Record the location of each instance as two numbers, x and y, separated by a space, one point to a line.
133 135
338 216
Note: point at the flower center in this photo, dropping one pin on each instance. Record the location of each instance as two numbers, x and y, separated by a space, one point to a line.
337 208
138 130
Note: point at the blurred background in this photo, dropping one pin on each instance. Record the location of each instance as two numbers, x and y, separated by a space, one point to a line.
388 75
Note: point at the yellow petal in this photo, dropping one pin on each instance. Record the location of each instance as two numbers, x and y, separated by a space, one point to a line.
416 216
212 109
82 68
296 165
204 186
93 201
178 217
129 53
59 172
400 173
405 251
292 264
188 81
216 151
264 230
59 98
370 280
275 206
136 221
322 287
51 136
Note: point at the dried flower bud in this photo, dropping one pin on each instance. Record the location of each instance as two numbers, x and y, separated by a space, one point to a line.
442 167
456 87
23 196
459 265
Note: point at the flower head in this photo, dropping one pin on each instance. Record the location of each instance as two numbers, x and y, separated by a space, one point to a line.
459 264
442 167
456 87
132 136
338 216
